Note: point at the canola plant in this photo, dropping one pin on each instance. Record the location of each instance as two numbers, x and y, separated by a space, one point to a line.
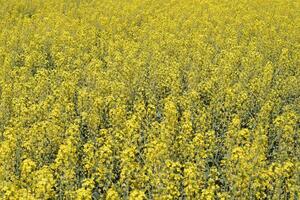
149 99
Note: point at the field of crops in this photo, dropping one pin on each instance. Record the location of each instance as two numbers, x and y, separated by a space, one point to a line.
149 99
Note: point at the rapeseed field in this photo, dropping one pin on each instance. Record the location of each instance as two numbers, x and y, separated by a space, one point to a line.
149 99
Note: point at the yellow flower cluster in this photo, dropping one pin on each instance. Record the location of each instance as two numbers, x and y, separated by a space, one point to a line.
144 99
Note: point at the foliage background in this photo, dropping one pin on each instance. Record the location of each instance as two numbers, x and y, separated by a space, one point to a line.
144 99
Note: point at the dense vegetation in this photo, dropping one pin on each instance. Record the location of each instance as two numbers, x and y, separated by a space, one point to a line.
149 99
